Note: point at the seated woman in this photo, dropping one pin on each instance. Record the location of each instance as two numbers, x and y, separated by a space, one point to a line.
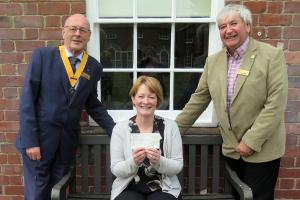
146 172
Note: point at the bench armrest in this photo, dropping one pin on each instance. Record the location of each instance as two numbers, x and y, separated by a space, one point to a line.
243 190
59 190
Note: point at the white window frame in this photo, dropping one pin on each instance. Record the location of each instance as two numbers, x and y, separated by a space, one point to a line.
208 117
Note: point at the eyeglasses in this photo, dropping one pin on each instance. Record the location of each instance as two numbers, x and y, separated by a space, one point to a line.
74 29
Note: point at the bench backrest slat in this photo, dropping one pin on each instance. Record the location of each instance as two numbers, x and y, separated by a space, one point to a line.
109 178
203 167
216 169
84 167
192 167
97 167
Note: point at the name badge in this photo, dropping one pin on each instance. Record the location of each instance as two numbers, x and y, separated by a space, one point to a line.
243 72
85 75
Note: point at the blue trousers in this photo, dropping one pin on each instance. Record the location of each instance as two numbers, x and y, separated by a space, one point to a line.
41 176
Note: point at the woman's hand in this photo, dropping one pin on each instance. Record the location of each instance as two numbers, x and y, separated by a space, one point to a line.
139 156
153 155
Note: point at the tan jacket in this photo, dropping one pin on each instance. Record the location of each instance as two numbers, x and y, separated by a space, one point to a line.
257 111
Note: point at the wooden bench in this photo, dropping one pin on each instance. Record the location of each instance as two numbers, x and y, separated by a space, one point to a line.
204 176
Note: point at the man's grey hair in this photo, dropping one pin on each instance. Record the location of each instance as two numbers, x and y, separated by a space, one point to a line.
230 9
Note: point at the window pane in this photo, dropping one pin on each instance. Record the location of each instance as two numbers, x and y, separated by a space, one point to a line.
115 8
184 86
193 8
164 79
154 8
191 45
115 90
154 45
116 45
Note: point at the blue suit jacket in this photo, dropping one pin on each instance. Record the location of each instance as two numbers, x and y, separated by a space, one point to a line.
49 116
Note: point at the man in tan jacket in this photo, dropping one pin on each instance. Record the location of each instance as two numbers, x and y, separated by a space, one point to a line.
247 82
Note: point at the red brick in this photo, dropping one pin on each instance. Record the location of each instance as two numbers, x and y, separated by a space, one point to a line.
30 8
10 93
289 173
3 159
294 45
22 69
293 151
31 34
53 21
291 140
298 162
11 137
298 183
10 9
275 42
287 162
287 183
294 94
13 34
5 22
7 46
8 148
29 21
274 7
287 194
1 119
14 159
4 180
78 7
292 57
292 7
256 7
28 45
8 69
9 104
291 32
11 57
9 126
11 81
258 32
14 190
12 169
274 32
15 180
275 20
51 34
255 20
54 8
296 20
11 115
293 128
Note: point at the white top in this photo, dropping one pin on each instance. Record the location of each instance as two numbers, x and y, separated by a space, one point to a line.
125 169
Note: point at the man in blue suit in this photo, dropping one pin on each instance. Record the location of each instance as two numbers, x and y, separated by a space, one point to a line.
51 104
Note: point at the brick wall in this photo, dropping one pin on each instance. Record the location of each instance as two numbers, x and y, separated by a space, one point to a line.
27 24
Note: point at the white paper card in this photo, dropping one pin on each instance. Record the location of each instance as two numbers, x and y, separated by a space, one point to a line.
146 140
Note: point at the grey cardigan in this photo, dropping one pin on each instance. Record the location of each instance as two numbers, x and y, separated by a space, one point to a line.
125 169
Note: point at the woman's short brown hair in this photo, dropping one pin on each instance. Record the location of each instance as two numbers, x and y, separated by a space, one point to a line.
153 85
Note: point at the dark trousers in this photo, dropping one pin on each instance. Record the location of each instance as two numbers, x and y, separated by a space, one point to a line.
260 177
41 176
132 193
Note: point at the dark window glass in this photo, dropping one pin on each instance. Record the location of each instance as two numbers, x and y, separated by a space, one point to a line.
191 45
115 90
116 45
184 86
154 45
